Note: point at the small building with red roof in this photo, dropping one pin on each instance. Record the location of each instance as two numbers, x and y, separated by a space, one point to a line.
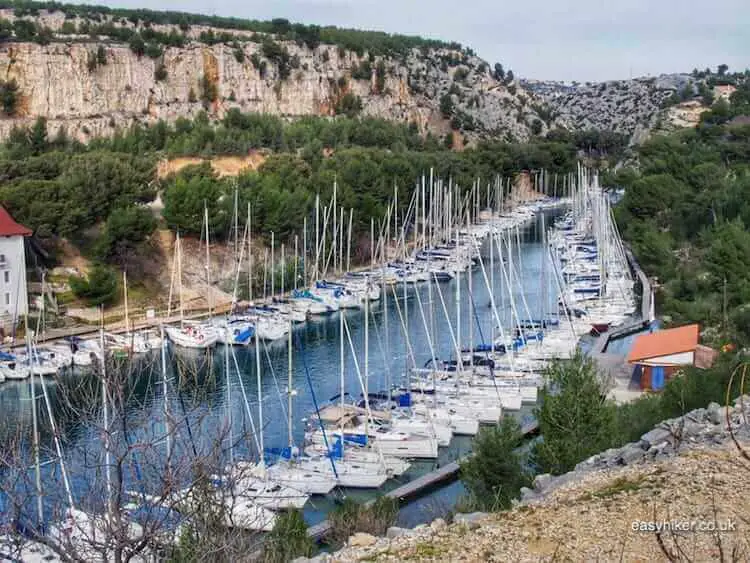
658 356
14 301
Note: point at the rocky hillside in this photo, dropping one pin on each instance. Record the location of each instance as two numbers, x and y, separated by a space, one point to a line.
631 107
638 106
686 471
93 74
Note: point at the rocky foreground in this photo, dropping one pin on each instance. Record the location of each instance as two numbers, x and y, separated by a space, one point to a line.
617 506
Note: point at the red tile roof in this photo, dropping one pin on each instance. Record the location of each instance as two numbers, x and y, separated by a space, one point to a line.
664 343
9 228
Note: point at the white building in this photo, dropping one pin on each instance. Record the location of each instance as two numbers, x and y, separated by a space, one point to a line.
14 301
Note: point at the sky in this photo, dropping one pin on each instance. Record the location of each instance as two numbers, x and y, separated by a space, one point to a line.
584 40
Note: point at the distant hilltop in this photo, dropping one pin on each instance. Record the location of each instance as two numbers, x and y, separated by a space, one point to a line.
637 106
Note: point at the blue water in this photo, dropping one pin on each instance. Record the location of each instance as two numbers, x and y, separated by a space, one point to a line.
203 396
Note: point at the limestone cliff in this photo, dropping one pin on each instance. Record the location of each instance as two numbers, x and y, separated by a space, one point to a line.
59 82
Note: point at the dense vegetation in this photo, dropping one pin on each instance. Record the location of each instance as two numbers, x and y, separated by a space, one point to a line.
576 421
100 20
685 212
80 186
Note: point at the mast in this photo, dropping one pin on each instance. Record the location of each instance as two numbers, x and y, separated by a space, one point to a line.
289 387
334 225
105 410
249 254
125 289
179 279
164 392
341 382
260 400
317 235
341 242
372 249
471 303
283 268
296 260
208 262
34 419
304 253
273 264
367 357
229 402
349 242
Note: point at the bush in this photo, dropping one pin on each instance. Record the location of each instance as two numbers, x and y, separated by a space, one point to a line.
349 105
288 540
446 105
153 51
99 288
495 473
239 54
9 96
160 73
350 517
380 77
101 55
209 90
137 45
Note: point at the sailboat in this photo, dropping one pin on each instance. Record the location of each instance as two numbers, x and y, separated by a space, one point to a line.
189 334
346 472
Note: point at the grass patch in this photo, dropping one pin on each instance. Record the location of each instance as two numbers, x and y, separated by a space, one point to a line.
351 517
425 549
619 485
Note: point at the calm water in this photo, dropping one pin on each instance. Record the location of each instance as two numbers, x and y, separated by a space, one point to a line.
201 390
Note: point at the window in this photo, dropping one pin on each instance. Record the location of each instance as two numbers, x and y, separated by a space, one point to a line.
6 275
7 298
2 258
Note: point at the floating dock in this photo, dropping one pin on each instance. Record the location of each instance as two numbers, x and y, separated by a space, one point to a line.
421 485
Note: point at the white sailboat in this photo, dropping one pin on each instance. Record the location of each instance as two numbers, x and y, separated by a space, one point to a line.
188 334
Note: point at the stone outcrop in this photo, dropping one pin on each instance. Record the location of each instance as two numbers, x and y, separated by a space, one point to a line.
56 81
686 472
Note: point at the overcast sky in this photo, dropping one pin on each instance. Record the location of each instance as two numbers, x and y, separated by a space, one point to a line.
546 39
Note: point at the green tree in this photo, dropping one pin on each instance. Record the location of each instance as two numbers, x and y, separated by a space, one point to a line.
495 472
575 419
125 231
98 288
188 194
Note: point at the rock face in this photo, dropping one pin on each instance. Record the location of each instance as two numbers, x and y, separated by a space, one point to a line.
56 81
631 107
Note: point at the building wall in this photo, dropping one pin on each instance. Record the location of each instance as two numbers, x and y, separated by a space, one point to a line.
682 359
647 373
13 294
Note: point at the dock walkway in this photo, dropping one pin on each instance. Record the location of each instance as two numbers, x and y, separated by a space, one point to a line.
420 485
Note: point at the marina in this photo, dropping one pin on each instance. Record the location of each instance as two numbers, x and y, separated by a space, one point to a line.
380 386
